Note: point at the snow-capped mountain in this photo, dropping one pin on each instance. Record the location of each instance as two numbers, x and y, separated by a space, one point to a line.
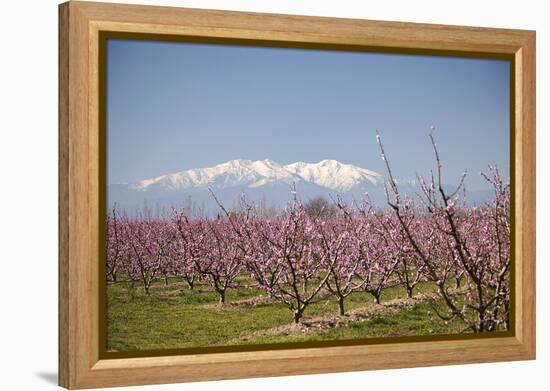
260 180
330 174
263 181
333 174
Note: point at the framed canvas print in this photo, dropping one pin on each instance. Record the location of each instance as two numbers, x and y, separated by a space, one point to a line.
247 195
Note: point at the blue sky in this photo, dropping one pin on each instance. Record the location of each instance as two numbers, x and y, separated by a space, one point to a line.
175 106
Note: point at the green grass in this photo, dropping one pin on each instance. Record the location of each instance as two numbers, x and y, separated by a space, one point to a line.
175 317
419 320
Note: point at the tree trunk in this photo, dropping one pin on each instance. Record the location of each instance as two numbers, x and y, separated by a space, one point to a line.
165 281
481 321
147 280
297 316
222 297
376 297
410 292
341 305
457 282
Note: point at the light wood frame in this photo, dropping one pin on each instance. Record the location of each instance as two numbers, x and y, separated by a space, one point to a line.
80 23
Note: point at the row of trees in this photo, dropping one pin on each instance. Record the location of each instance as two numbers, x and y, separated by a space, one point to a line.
300 257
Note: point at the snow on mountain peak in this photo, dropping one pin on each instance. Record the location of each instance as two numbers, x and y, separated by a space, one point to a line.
239 172
333 174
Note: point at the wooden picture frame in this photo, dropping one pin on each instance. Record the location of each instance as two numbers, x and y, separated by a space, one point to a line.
81 363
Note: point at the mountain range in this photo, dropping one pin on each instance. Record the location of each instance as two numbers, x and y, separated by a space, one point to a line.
254 174
263 181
